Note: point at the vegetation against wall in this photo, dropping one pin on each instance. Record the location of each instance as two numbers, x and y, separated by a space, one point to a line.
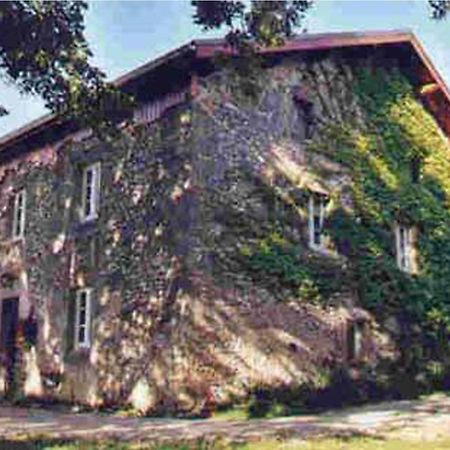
400 170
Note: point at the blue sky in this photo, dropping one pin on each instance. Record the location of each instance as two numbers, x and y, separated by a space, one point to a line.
125 34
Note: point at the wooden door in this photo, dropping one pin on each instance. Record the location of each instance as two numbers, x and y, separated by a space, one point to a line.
10 315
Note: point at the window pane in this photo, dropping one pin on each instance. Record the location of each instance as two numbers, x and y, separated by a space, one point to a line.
19 214
81 335
82 324
82 317
317 230
88 192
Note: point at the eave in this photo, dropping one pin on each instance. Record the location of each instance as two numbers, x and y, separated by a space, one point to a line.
436 99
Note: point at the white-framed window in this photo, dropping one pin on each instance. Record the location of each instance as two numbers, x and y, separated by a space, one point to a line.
404 247
316 219
18 229
356 331
91 191
82 327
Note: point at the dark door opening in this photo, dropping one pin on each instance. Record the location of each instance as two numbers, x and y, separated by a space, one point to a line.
10 316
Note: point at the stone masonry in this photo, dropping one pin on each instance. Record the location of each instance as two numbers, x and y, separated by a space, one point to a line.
178 320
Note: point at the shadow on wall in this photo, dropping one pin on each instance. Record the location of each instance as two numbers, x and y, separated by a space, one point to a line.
200 328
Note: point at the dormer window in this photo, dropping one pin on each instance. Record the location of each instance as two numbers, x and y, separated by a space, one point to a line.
317 205
91 192
404 248
18 229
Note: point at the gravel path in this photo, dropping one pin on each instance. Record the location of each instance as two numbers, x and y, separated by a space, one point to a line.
424 419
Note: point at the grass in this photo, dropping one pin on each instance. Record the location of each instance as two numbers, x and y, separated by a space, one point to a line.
234 413
352 443
243 412
347 444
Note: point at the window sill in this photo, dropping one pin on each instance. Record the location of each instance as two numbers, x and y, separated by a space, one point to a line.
84 227
78 355
83 348
13 241
324 251
410 273
89 219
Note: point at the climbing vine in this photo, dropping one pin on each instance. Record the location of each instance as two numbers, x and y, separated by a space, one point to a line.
399 163
400 134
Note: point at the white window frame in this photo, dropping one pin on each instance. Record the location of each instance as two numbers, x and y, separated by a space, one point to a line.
94 201
87 325
404 244
19 211
357 332
316 200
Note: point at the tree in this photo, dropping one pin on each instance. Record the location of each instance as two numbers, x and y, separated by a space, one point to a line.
43 51
439 8
265 23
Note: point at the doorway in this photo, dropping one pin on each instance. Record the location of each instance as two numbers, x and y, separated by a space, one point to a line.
8 346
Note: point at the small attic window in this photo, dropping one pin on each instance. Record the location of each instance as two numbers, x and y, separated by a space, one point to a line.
305 108
416 169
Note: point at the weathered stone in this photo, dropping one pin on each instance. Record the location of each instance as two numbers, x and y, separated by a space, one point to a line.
178 321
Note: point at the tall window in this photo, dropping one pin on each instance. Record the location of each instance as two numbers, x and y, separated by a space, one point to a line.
18 230
416 169
83 318
355 338
404 247
317 204
91 191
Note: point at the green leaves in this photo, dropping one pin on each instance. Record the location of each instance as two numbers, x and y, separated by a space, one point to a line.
265 23
44 51
274 256
439 8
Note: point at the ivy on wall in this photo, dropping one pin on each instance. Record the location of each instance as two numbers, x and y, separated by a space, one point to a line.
400 171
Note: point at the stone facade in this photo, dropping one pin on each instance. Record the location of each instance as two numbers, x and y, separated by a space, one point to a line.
178 320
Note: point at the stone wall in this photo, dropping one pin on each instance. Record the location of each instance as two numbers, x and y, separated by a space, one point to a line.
179 319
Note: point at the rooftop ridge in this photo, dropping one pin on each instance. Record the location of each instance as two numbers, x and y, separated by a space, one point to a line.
206 48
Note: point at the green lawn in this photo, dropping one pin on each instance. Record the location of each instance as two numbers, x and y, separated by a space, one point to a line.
290 444
348 444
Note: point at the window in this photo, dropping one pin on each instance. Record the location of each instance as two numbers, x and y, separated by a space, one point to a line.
91 192
83 319
416 169
317 205
19 214
305 110
404 247
355 339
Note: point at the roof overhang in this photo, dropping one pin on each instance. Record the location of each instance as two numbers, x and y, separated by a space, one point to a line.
431 85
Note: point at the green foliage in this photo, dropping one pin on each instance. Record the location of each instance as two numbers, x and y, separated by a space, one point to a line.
214 443
43 50
400 131
262 22
399 136
439 8
275 256
250 26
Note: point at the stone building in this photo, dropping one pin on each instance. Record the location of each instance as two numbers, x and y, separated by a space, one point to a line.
129 269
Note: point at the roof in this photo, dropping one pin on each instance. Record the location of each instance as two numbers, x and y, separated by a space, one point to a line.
206 48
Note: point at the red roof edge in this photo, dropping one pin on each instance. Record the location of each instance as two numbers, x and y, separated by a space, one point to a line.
207 48
51 119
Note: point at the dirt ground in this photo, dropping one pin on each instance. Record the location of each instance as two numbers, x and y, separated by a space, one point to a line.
425 419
